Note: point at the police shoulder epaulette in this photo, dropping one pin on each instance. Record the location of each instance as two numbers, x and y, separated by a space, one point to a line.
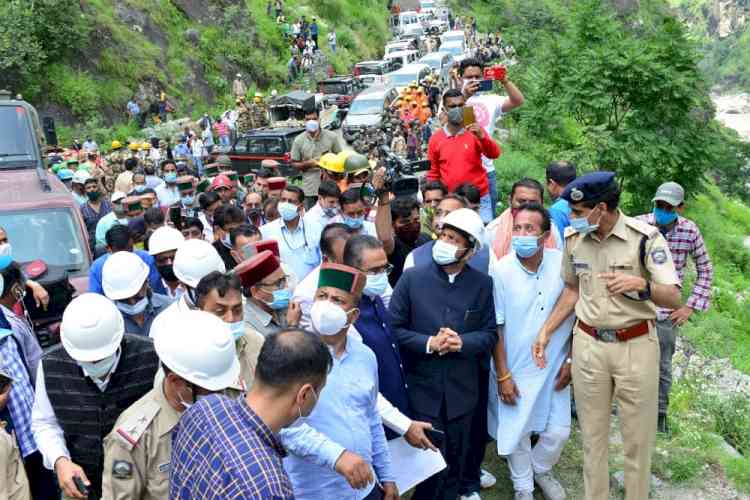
642 227
569 231
129 432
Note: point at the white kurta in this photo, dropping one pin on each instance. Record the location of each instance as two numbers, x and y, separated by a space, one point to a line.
523 302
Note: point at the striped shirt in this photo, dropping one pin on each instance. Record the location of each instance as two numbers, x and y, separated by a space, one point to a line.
685 239
221 449
21 394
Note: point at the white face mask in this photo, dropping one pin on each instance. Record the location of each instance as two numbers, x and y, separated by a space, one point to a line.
99 369
5 250
327 318
132 310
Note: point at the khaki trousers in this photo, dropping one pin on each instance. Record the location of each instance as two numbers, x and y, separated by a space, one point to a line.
629 372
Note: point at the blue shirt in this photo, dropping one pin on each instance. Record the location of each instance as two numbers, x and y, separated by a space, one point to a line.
374 325
346 412
299 249
21 398
154 278
559 212
157 304
222 449
181 150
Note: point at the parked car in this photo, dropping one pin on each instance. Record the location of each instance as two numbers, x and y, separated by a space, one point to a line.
410 73
456 49
441 63
402 58
250 149
408 23
397 46
367 110
453 36
339 90
372 72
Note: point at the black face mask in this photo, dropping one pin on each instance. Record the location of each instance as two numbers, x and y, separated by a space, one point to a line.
167 272
93 195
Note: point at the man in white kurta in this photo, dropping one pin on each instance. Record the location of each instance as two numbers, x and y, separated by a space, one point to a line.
525 399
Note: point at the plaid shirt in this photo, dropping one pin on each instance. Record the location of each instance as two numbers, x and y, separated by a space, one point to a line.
21 394
221 449
685 239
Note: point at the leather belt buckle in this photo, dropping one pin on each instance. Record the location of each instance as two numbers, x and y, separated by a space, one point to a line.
609 336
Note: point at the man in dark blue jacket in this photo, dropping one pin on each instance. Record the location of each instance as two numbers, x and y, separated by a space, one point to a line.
443 316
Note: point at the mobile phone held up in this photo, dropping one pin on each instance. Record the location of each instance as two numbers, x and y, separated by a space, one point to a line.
495 73
469 117
484 86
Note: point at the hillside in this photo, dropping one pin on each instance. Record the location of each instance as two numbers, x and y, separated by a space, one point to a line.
102 52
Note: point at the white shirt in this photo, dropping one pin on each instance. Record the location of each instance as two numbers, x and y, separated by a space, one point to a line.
488 109
316 216
168 195
48 434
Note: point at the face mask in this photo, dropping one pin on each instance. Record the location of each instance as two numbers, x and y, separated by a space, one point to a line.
140 188
226 241
327 318
287 211
409 233
19 293
93 195
187 200
303 418
455 116
100 369
376 284
184 403
170 177
354 222
444 253
167 272
525 246
5 250
312 126
238 329
253 213
664 217
582 225
280 299
330 212
134 309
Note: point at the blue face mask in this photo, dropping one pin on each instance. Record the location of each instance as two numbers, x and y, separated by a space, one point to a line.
139 188
187 200
170 177
525 246
288 211
280 299
583 226
444 253
376 284
664 217
354 222
238 329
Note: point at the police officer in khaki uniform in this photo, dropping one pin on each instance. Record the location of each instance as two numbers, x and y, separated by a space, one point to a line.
14 485
197 355
616 271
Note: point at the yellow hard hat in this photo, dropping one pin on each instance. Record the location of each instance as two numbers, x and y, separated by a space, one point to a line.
146 145
134 146
116 145
331 162
258 94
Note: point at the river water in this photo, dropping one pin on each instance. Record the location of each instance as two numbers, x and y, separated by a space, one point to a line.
733 110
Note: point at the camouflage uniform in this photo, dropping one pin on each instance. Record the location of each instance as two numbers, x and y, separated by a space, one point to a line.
244 120
114 167
259 115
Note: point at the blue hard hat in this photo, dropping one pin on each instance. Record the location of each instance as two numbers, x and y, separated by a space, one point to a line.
65 174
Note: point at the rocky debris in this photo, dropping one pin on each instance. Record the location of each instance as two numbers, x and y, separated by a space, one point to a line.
733 110
192 36
617 481
719 375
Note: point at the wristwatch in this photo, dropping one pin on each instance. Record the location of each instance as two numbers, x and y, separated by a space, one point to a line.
645 294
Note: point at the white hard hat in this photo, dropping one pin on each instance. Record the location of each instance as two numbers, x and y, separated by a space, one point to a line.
92 328
194 260
467 221
117 196
123 275
198 346
81 176
165 239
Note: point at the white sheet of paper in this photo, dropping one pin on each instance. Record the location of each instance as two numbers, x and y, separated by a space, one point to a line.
412 465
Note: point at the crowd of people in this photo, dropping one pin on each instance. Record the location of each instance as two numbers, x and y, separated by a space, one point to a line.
251 338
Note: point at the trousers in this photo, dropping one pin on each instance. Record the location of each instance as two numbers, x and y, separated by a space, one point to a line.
524 462
445 484
667 333
628 372
478 438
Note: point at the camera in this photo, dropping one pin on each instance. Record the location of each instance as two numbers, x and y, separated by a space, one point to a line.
399 173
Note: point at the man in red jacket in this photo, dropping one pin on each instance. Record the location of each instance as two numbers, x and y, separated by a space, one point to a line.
455 152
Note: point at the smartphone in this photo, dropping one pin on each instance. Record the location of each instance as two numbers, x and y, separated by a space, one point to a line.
82 489
469 117
436 437
485 86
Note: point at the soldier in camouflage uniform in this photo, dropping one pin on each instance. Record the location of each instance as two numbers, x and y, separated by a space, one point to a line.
113 166
244 118
259 111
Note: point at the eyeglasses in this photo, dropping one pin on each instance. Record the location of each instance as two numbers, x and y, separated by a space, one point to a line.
387 269
278 285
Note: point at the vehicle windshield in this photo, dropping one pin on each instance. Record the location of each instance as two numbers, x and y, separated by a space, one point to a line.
370 70
432 62
335 88
403 79
366 107
453 38
51 235
16 141
454 50
427 5
396 48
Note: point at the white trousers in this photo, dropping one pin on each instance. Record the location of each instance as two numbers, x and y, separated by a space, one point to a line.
525 461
